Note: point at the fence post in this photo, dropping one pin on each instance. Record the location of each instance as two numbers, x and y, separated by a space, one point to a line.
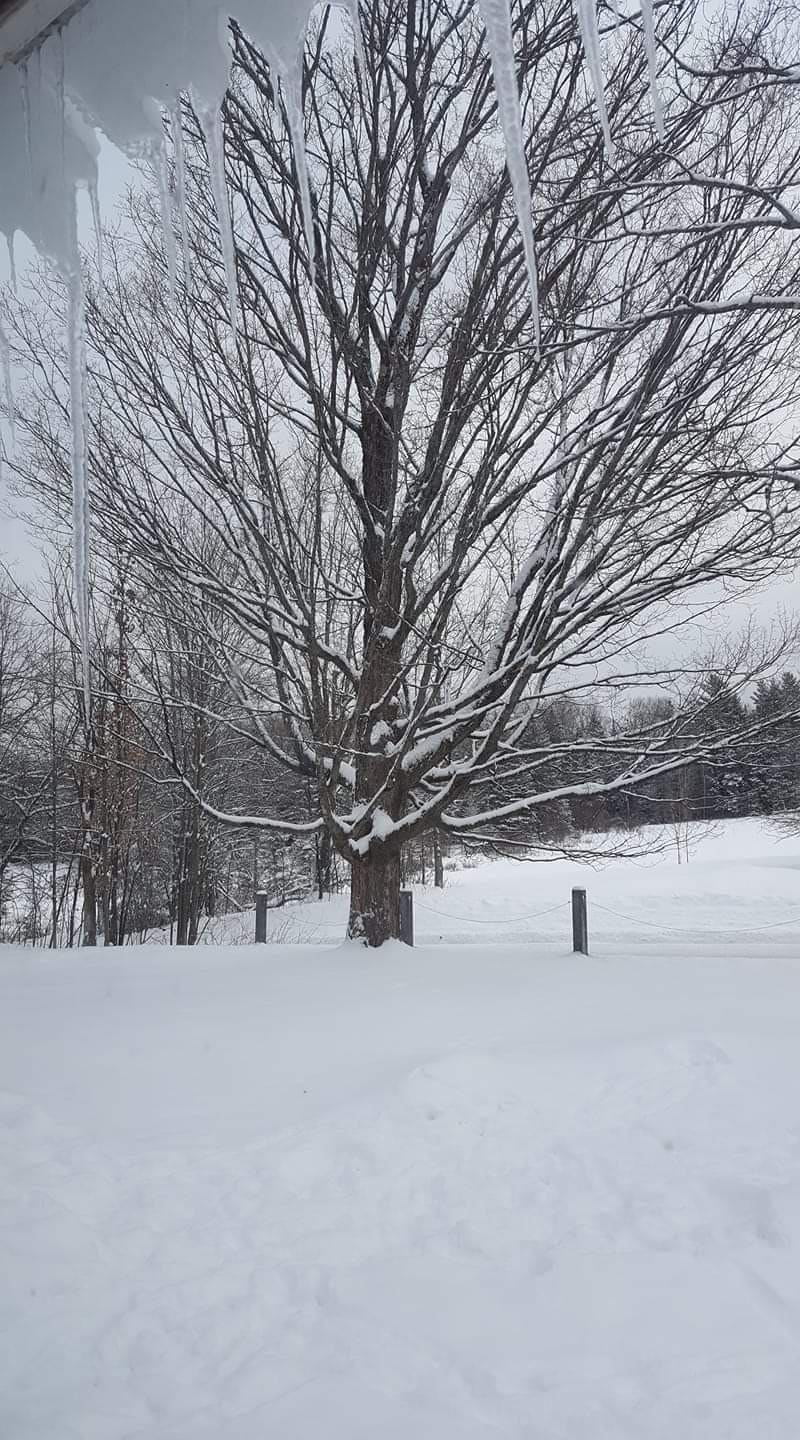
407 917
261 917
580 926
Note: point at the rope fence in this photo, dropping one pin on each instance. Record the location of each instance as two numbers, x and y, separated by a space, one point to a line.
506 920
696 929
577 904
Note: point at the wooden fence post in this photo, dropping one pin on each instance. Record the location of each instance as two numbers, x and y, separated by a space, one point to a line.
580 926
407 917
261 917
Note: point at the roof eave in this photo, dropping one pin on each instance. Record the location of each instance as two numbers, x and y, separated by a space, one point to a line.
24 24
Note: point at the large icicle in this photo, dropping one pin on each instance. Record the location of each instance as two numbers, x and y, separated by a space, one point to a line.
61 93
8 392
159 161
649 32
180 189
12 263
211 122
292 86
496 16
590 37
358 38
76 335
25 97
97 221
47 152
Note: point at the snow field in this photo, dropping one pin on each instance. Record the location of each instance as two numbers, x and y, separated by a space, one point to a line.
455 1192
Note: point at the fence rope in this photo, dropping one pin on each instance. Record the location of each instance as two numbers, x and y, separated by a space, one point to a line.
500 921
695 930
504 920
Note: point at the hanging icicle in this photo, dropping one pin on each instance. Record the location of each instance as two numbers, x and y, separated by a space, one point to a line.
590 37
161 172
211 123
292 86
358 38
12 263
97 221
61 65
76 337
25 95
8 393
180 189
649 32
496 16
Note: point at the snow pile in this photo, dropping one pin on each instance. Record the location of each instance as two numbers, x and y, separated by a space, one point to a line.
451 1193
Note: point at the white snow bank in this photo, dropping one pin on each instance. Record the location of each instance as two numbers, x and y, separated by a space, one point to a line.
448 1193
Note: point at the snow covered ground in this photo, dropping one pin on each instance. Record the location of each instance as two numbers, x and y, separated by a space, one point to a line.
470 1190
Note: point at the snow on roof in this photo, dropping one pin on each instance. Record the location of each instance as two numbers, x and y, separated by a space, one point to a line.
25 23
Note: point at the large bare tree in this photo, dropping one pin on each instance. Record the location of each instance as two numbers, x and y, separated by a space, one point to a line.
431 526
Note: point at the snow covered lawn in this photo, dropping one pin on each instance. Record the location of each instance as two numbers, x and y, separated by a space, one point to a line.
303 1193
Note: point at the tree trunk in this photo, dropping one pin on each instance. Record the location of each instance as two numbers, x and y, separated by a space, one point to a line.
194 877
438 863
323 859
181 890
89 897
375 897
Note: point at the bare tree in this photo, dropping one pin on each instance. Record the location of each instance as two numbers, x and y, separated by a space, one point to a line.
23 779
431 527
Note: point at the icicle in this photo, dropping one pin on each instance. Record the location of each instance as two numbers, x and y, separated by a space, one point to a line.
76 331
12 263
97 221
292 84
358 38
61 96
496 16
590 37
180 190
211 123
159 161
33 84
25 91
649 32
8 398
